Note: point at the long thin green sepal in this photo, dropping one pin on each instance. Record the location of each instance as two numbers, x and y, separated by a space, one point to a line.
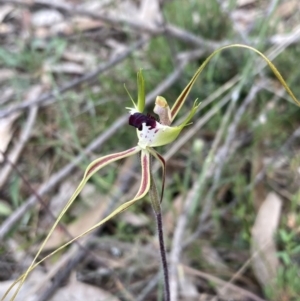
182 97
143 190
163 165
141 92
95 166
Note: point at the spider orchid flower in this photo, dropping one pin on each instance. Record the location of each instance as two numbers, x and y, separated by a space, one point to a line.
150 133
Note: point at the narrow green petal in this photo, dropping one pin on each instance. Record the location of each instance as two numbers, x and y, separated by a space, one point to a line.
191 114
134 104
95 166
162 161
141 92
143 190
182 97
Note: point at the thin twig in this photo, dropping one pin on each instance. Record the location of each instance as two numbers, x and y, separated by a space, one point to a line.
13 156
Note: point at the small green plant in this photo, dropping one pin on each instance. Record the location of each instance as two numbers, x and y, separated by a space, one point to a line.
292 248
151 133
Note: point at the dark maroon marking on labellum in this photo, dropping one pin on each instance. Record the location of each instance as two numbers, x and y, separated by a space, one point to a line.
137 120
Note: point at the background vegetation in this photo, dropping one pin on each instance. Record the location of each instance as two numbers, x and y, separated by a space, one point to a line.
231 205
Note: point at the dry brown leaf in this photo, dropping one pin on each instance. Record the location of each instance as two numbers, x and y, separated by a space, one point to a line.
150 12
78 291
6 28
62 28
292 220
244 18
287 8
6 74
83 23
6 95
46 17
6 132
124 9
265 262
42 32
86 59
67 68
96 5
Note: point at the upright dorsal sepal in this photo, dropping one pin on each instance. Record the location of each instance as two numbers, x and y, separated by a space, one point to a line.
141 92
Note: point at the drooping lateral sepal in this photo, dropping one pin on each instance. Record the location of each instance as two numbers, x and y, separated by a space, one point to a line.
95 166
145 179
143 190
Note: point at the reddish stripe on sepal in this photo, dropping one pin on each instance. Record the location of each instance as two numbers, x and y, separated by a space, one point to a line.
110 158
179 102
145 180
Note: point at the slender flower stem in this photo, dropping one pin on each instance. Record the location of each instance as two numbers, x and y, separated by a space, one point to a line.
155 201
163 255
